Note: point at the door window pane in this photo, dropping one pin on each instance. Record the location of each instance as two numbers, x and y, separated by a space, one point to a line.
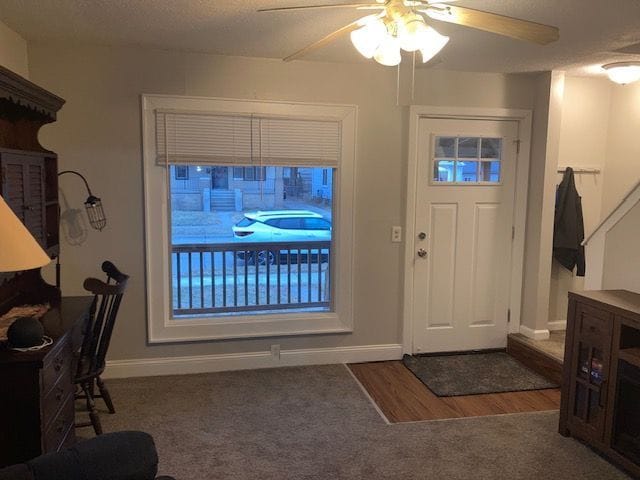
467 172
445 147
443 170
491 148
468 147
490 172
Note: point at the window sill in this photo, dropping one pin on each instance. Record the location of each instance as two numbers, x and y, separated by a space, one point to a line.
250 326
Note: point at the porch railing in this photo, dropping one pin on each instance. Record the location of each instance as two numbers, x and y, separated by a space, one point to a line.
244 277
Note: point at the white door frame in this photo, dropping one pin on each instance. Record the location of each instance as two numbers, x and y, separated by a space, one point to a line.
523 118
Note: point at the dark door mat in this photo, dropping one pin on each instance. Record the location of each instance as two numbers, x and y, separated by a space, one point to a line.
474 373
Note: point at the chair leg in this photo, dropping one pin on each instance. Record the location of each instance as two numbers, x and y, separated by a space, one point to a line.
91 406
106 396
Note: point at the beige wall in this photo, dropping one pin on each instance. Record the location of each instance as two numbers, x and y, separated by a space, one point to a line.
13 51
623 148
622 255
98 133
583 143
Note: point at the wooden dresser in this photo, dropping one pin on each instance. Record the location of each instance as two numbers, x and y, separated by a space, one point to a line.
37 413
601 375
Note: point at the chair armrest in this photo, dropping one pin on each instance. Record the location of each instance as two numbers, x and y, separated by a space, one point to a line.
113 456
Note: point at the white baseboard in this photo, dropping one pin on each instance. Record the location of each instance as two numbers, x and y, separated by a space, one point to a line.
535 334
146 367
557 325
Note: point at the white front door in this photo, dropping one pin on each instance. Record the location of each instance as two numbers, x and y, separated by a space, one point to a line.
463 224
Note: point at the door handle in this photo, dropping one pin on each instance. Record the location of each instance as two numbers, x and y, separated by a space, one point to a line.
422 253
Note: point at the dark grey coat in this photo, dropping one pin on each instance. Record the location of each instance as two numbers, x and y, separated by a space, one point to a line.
568 227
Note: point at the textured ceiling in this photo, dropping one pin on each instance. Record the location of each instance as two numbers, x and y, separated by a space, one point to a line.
590 30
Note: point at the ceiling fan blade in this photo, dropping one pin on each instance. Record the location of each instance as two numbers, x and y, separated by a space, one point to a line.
491 22
324 41
308 7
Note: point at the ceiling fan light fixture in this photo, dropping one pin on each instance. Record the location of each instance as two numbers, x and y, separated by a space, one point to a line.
368 38
388 53
411 28
431 44
623 72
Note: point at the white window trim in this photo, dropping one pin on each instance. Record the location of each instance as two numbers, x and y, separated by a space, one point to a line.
162 327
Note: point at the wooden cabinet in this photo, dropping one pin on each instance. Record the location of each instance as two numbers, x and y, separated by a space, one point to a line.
37 410
598 404
27 187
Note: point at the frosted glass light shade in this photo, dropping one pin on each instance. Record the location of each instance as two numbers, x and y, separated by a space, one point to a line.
431 43
18 249
410 32
388 53
623 72
368 38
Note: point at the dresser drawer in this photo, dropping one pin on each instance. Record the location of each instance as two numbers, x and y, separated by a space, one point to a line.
593 322
58 430
57 362
56 398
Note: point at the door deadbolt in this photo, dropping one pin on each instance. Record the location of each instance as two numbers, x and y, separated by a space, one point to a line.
422 235
422 253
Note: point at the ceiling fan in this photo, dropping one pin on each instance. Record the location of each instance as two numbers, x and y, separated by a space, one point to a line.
400 24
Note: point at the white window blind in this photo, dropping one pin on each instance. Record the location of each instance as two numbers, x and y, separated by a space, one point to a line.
200 137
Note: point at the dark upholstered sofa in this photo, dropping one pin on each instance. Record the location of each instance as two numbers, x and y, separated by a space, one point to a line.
113 456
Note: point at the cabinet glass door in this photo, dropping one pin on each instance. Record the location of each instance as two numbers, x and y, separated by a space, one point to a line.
590 370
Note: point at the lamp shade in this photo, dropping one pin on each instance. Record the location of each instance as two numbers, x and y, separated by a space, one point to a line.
388 53
18 249
432 43
367 39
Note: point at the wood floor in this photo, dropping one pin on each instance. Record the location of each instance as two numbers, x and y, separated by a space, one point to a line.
403 398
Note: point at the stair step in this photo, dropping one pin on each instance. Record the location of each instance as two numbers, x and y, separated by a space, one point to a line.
539 361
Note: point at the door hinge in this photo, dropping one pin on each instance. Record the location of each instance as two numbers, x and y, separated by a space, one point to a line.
508 315
513 232
518 142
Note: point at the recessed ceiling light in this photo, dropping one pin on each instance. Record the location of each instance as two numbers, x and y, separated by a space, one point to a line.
623 72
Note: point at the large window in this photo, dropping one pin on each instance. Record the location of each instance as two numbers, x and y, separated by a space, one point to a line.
248 246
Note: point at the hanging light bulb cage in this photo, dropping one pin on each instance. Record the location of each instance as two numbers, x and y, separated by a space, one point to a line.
95 212
93 205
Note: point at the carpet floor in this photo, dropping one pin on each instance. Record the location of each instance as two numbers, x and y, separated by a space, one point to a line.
316 423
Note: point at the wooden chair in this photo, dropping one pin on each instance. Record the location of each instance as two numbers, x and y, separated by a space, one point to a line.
97 336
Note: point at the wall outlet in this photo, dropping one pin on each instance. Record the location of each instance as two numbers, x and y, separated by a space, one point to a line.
396 234
275 351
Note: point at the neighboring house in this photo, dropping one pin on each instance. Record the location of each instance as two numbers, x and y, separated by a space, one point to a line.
204 188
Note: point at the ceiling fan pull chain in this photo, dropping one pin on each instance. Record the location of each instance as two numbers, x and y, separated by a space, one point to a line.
413 76
398 86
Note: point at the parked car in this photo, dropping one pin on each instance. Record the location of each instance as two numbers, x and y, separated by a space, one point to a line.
281 226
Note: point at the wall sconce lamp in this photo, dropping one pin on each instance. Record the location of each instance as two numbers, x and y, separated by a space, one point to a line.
92 204
623 72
